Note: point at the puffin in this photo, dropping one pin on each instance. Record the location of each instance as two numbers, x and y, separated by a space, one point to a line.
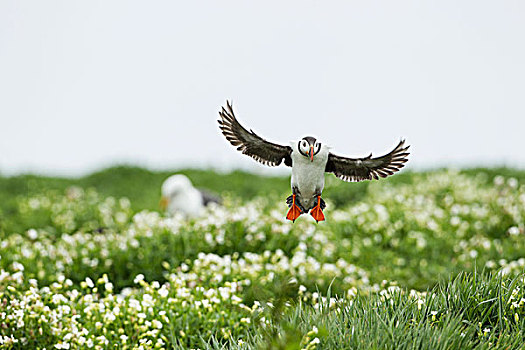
310 160
179 196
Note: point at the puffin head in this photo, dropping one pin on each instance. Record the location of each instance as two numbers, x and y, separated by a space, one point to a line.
309 147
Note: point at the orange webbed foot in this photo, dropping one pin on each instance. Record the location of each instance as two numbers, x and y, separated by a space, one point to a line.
294 211
317 212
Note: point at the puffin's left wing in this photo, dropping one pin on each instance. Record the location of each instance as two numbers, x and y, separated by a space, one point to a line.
251 144
359 169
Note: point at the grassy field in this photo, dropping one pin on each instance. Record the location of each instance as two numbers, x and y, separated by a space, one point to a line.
417 261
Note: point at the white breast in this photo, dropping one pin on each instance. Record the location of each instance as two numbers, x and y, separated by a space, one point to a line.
308 176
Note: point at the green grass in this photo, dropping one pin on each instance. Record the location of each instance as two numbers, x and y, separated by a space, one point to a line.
142 186
397 262
472 311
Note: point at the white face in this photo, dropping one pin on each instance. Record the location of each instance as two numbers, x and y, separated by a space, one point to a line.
304 146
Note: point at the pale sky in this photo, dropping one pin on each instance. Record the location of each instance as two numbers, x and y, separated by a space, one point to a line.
87 84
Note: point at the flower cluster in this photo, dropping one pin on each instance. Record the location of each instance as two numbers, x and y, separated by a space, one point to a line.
147 316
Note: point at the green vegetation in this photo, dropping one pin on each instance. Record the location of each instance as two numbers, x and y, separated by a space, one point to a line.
417 261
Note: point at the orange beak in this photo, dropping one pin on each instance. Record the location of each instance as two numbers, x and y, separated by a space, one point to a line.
163 204
311 153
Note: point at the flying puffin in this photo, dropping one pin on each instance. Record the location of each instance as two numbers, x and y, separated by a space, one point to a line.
179 196
309 160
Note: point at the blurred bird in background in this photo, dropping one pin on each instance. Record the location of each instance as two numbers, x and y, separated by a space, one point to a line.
179 196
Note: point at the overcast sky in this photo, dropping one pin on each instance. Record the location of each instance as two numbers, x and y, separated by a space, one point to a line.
87 84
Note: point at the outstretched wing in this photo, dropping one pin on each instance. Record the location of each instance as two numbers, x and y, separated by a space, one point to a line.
249 143
359 169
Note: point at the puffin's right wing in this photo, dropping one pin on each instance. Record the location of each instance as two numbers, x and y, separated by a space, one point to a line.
249 143
359 169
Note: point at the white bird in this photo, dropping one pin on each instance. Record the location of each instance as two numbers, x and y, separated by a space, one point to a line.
309 159
179 196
